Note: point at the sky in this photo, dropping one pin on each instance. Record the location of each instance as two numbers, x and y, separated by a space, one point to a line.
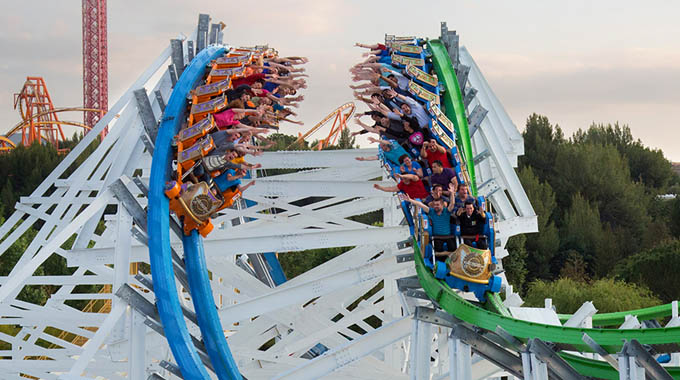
577 62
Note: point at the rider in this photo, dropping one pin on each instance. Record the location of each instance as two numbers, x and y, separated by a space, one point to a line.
471 221
440 217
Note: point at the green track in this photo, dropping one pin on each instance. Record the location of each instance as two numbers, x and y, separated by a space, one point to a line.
454 108
610 339
601 369
455 111
615 319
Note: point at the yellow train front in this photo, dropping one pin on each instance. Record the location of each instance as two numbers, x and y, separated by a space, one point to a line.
195 203
469 269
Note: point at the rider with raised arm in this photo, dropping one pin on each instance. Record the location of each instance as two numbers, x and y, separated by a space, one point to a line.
409 184
440 217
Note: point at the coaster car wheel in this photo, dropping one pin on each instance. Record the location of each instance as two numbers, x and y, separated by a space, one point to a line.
205 229
172 189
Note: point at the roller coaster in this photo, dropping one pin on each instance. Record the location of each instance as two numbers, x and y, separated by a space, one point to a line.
218 305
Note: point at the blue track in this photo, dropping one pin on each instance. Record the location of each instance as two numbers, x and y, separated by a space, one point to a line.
162 272
206 312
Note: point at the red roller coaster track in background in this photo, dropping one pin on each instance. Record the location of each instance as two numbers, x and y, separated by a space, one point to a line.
39 121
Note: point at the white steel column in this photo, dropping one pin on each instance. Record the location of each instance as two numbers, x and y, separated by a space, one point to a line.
421 345
460 359
534 369
137 358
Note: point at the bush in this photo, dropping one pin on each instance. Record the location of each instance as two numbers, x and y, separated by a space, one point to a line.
607 295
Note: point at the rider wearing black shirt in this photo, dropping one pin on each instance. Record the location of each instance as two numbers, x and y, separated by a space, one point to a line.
471 223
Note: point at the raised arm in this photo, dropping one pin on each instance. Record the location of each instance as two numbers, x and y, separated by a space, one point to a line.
359 97
251 166
366 158
392 83
247 128
240 174
367 127
380 141
383 109
419 172
387 189
244 188
418 203
289 68
372 52
366 46
291 121
408 176
452 201
247 111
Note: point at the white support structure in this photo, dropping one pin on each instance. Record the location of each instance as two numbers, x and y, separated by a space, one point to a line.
421 344
629 369
350 352
498 140
534 369
583 316
349 307
460 360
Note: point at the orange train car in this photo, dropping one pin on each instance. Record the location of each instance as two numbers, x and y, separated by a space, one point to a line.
195 203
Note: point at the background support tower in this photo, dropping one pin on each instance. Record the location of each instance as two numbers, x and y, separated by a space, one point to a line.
95 61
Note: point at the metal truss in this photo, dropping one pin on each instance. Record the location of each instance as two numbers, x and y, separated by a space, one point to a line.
351 307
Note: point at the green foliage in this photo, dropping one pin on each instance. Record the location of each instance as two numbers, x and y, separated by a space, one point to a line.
595 195
515 265
581 231
30 293
283 142
540 247
296 263
608 295
601 175
655 268
675 217
11 330
22 170
646 165
370 218
345 141
541 144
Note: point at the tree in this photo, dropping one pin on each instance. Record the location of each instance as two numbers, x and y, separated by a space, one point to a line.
648 166
656 269
515 264
607 295
581 229
283 142
23 169
35 294
345 141
675 217
601 176
540 247
541 143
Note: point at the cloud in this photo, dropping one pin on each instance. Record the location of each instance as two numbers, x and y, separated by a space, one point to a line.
635 76
574 62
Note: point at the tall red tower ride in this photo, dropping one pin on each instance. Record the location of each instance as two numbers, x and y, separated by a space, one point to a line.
95 60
